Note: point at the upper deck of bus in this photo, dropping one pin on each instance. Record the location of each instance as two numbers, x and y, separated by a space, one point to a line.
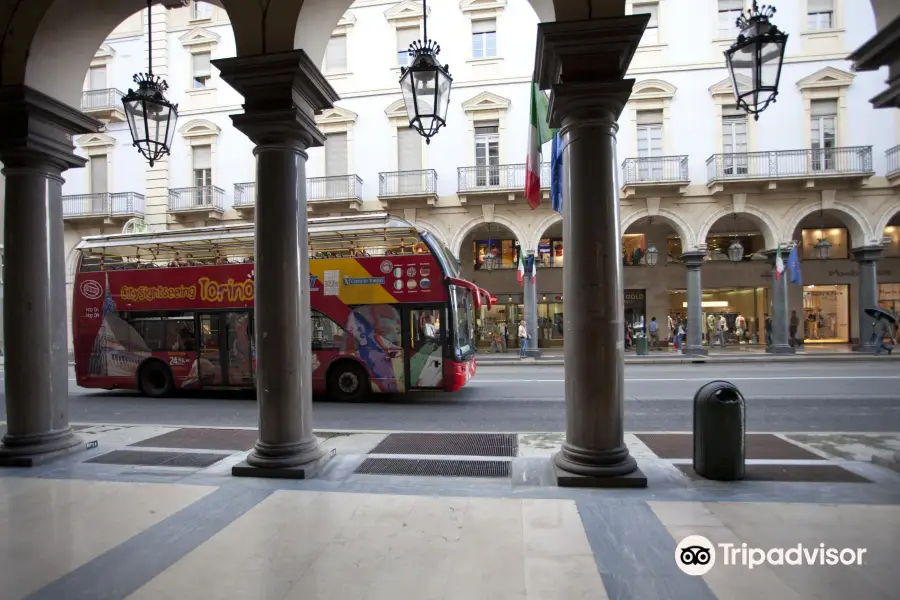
358 236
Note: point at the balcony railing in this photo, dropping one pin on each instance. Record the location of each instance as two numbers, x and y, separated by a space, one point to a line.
339 187
408 183
497 177
245 194
855 160
658 169
205 197
892 157
101 100
103 205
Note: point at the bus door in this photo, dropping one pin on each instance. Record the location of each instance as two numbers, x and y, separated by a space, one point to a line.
425 334
226 349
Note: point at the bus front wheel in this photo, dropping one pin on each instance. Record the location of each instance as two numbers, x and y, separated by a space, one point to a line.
348 382
155 380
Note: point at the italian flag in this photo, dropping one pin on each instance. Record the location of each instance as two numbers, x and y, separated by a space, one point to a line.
539 133
520 271
779 264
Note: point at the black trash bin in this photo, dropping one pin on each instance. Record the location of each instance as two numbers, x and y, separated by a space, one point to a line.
719 426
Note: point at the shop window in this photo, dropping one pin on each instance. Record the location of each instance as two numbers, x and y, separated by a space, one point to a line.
892 249
635 308
839 243
826 312
550 318
889 296
634 249
730 304
717 246
505 251
326 334
550 252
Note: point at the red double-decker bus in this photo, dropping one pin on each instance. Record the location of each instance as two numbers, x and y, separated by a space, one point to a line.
173 310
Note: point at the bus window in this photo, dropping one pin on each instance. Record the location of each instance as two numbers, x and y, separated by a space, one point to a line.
326 334
162 332
461 307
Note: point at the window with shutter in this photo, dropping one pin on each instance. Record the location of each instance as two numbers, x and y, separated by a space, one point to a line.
484 38
734 140
487 154
336 54
823 133
409 148
99 182
820 14
650 144
201 10
729 11
336 154
651 34
405 37
202 159
202 69
98 78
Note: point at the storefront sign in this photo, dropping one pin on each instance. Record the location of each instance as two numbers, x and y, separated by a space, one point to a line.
855 273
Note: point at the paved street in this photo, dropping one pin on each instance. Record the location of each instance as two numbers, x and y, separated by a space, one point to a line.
861 396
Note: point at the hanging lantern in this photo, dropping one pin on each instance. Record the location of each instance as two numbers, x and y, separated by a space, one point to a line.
425 85
736 251
823 249
757 55
652 255
151 118
490 259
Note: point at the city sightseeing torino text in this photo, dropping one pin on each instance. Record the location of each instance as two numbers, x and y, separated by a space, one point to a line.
795 556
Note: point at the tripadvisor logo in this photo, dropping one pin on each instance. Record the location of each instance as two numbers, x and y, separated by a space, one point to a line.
696 555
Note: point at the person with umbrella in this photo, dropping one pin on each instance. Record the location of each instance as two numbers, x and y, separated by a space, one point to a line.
882 328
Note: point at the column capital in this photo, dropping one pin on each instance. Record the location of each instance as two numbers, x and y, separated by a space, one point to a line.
283 91
586 51
865 254
36 130
572 104
693 260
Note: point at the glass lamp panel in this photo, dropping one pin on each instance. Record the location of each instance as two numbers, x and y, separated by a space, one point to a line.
409 96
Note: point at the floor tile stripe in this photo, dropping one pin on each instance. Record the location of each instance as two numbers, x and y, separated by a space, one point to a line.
635 553
118 573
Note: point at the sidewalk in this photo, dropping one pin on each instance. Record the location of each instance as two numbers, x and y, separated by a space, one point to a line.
152 513
730 354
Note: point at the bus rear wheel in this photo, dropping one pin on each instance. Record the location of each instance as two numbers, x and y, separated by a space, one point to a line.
348 382
155 380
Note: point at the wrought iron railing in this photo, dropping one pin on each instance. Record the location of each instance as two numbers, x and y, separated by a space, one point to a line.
100 205
657 169
339 187
205 197
101 99
497 177
245 194
892 158
854 160
407 183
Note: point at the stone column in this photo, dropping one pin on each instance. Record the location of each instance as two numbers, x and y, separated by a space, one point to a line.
781 315
693 262
35 148
529 293
594 56
867 257
282 92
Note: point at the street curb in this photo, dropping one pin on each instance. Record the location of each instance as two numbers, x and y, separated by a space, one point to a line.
892 463
551 362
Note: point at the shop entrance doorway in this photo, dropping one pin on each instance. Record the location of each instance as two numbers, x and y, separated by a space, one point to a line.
826 311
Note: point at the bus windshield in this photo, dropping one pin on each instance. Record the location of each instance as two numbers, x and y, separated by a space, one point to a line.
442 254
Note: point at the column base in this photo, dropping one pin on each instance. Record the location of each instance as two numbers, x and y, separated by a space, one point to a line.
302 471
781 349
695 351
34 450
578 467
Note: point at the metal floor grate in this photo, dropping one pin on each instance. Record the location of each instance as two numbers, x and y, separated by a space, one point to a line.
790 473
449 444
759 446
203 438
148 458
433 467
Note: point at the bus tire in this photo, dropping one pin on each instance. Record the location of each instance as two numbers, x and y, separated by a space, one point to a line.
348 382
155 380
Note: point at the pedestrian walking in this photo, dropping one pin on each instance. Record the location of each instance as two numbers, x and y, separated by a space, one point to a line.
523 339
884 329
504 337
654 334
794 326
768 325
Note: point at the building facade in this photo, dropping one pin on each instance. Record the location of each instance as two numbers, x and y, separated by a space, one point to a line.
695 174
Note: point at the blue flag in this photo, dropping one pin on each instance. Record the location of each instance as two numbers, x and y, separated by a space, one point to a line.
556 199
793 265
